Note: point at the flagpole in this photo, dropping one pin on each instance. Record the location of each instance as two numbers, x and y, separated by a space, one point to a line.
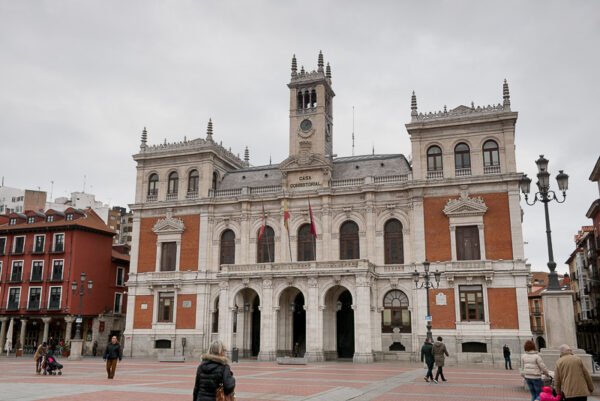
268 247
286 225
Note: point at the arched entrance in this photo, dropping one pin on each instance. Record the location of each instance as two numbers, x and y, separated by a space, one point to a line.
246 323
291 333
338 324
541 343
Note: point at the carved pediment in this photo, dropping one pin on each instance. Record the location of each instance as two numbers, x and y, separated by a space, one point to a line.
304 161
465 206
169 225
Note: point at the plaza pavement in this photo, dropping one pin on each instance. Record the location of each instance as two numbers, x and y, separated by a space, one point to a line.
153 381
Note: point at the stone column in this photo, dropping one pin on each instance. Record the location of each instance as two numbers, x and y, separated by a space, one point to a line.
370 235
46 321
268 323
363 350
225 317
4 321
69 320
314 328
22 333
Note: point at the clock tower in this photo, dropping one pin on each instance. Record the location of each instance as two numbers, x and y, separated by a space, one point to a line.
311 118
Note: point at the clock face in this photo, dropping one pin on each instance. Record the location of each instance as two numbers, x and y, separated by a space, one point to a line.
305 125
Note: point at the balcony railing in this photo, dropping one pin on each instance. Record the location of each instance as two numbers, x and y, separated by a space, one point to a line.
462 172
435 174
297 266
191 195
151 198
33 307
12 306
58 249
537 329
53 306
172 196
491 169
15 279
348 182
536 310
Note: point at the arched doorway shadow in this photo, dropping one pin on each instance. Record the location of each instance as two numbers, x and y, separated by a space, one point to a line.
291 328
246 323
541 343
338 324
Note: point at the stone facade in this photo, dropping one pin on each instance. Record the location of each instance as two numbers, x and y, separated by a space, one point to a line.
199 271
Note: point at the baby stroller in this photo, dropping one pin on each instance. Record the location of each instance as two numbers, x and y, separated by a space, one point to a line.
50 365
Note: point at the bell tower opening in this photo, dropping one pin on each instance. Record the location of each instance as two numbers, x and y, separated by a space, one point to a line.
311 117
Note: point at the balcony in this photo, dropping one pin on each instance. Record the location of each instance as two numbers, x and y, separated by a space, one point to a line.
36 278
33 307
54 307
15 279
18 252
537 329
58 249
462 172
435 175
172 196
56 279
350 265
152 198
491 169
37 251
191 195
536 310
11 307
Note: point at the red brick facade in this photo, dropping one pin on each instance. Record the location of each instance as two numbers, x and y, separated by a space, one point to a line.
502 304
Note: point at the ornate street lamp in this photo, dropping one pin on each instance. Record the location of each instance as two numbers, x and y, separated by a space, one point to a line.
427 284
82 292
546 195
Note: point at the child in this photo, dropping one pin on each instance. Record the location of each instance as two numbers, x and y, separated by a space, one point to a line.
546 395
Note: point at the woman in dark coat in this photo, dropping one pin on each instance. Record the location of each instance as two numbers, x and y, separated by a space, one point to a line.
212 373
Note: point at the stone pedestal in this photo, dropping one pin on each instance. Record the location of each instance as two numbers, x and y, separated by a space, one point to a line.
76 350
559 319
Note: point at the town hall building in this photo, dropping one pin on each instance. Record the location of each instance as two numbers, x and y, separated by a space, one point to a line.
215 255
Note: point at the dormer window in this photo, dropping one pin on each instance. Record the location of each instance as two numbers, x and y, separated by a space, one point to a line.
69 217
50 218
30 220
12 221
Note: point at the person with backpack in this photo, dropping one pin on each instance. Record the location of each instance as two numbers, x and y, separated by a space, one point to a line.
214 375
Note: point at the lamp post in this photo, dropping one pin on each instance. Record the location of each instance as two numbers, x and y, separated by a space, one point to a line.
82 292
546 195
427 284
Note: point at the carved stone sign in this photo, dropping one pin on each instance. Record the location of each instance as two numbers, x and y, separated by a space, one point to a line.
186 304
440 299
144 306
305 180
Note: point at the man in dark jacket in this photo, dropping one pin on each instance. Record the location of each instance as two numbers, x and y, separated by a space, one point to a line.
112 353
213 373
427 357
506 352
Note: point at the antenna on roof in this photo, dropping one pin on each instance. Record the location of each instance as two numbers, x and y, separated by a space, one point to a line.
352 130
51 189
84 177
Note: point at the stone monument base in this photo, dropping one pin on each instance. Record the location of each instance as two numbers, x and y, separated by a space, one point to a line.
76 350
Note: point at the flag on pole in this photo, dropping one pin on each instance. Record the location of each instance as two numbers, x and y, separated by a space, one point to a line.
286 215
264 223
313 229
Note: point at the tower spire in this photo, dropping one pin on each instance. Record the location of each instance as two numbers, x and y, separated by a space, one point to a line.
294 67
320 62
328 71
247 156
209 130
144 139
413 106
506 95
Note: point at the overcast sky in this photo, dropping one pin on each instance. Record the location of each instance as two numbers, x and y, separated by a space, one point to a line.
80 79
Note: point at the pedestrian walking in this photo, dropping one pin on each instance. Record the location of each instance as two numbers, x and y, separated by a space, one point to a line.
38 356
571 377
532 368
507 362
95 348
439 355
214 375
427 357
112 353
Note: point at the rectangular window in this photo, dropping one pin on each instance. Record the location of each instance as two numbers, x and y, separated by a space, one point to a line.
37 269
467 243
38 246
16 273
69 217
50 218
54 298
19 245
168 256
471 303
118 302
59 243
165 307
57 270
35 295
14 298
2 245
120 276
12 221
30 220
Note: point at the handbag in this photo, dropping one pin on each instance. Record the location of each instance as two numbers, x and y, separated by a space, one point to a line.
222 397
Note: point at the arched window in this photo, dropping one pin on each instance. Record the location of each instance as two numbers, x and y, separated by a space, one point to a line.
299 100
153 184
306 244
266 246
215 317
193 180
227 248
462 159
434 158
392 240
491 158
313 98
215 177
349 245
395 312
173 183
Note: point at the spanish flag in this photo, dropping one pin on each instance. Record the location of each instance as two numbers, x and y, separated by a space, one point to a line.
313 229
286 215
264 223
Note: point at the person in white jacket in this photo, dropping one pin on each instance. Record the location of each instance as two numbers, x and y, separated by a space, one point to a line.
532 368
